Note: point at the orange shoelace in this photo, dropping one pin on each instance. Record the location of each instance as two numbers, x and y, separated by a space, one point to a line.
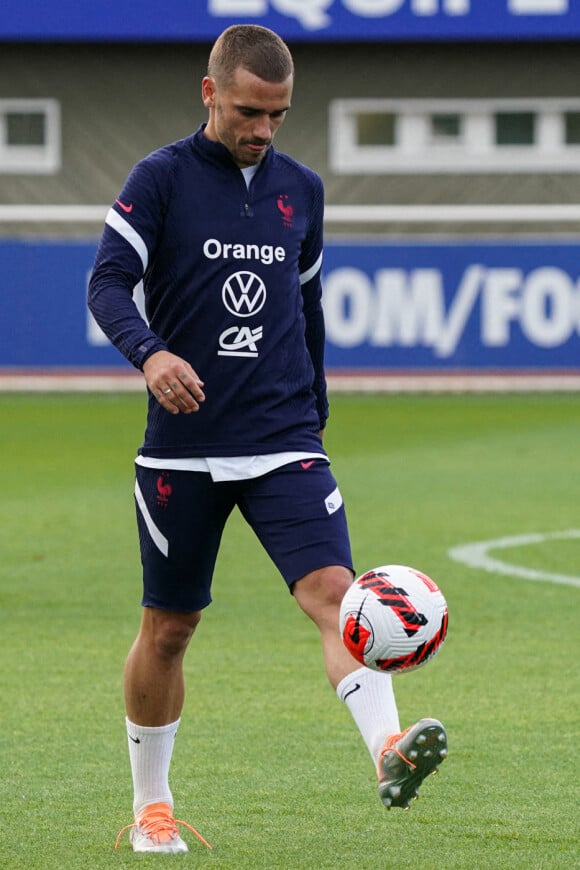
158 824
389 746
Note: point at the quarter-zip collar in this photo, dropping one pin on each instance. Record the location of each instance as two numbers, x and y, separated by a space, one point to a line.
218 154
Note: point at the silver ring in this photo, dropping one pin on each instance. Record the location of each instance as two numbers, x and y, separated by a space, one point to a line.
167 391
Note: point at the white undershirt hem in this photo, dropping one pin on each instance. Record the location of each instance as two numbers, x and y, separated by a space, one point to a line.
223 468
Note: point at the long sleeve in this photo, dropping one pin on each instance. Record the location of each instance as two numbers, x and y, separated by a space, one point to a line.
131 230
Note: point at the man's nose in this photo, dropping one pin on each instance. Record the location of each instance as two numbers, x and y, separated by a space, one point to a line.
262 128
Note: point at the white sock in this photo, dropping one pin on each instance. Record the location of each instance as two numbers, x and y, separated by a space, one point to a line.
370 698
150 751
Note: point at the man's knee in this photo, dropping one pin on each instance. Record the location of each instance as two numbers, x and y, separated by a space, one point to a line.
169 633
322 590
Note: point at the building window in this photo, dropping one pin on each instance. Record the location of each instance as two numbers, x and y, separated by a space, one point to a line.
376 128
572 128
445 128
377 136
515 128
29 136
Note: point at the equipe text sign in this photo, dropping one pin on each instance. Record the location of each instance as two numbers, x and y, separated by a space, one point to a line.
318 20
390 307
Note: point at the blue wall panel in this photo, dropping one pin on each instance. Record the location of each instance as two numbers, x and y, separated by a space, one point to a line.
440 306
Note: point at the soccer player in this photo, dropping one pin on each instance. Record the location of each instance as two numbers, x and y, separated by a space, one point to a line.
226 234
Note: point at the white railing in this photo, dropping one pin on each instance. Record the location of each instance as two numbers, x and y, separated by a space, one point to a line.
353 214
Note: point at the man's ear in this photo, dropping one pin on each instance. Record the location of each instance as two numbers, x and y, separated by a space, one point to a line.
208 91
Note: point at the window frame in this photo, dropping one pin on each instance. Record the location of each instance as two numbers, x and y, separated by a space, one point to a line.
44 159
475 150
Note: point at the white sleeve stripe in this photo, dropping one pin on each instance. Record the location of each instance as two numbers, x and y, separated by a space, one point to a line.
130 235
158 537
310 273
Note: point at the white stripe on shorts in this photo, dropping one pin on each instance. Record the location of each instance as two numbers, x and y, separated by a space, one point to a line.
333 501
158 537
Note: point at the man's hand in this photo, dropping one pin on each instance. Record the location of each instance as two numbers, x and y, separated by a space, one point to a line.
173 382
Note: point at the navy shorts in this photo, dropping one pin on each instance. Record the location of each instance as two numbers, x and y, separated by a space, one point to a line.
296 512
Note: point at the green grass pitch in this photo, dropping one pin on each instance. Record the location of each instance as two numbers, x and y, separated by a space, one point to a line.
268 764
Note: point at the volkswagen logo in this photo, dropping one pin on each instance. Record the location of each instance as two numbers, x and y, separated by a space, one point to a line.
244 294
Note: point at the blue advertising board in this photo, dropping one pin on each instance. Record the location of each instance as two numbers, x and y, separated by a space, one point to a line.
300 20
470 306
511 306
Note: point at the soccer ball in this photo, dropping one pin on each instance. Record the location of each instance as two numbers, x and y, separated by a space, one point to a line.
393 618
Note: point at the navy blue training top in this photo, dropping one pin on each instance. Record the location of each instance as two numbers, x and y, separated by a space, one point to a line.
232 284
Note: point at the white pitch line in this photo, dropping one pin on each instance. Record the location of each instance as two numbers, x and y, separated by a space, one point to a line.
476 555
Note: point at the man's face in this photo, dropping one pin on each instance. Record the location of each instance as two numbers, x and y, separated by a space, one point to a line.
246 115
